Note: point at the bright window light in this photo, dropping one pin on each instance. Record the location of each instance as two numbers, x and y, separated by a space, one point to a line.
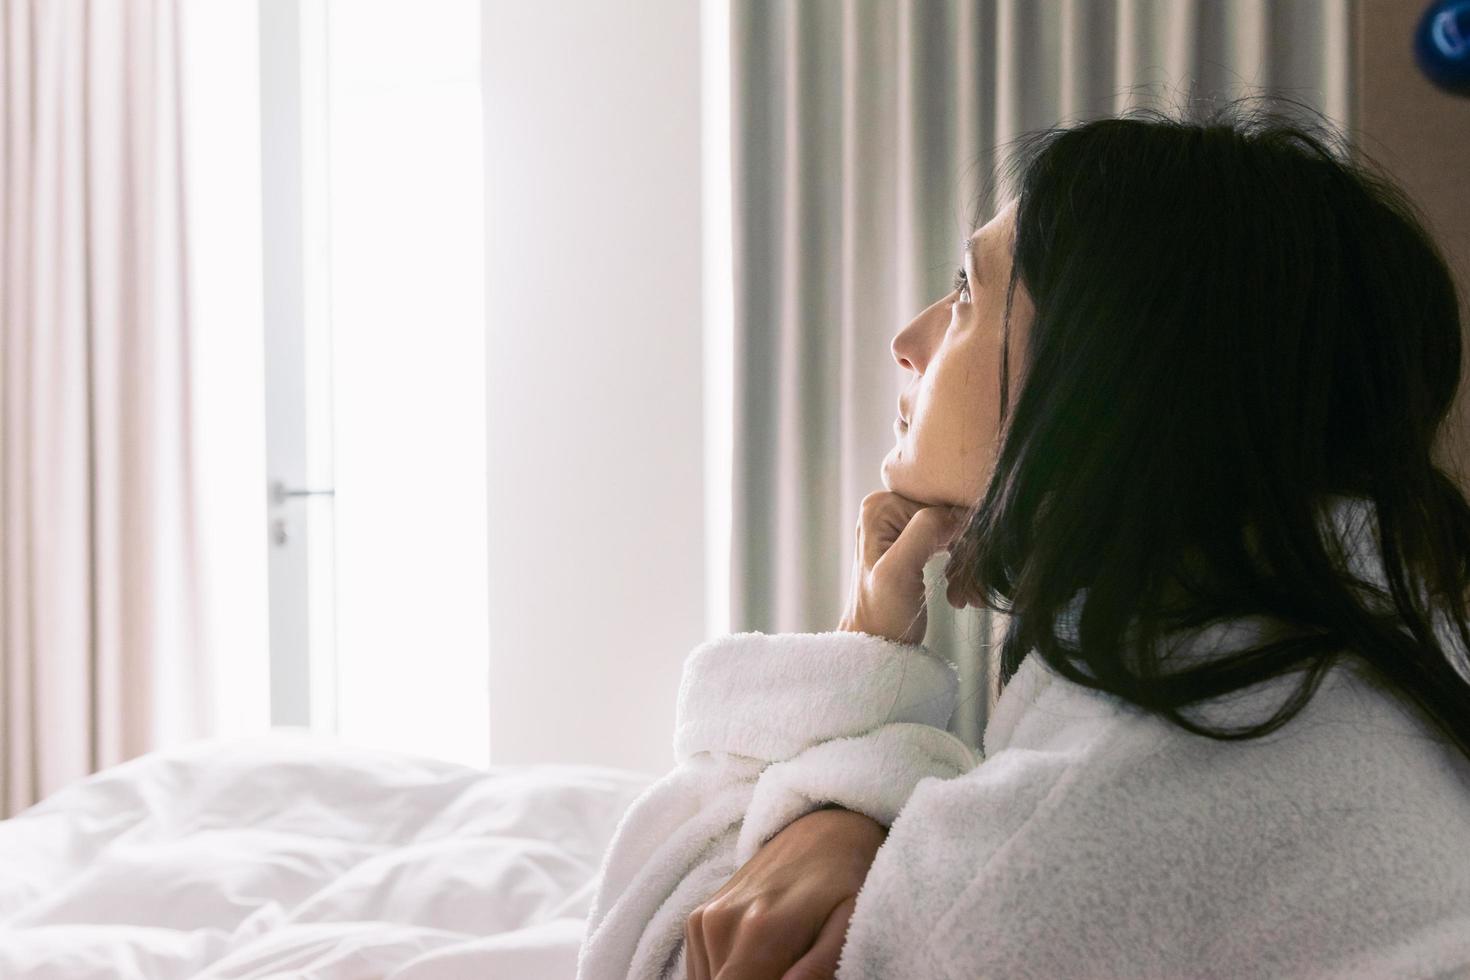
396 365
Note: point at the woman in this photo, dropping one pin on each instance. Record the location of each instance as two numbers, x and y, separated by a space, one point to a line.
1234 733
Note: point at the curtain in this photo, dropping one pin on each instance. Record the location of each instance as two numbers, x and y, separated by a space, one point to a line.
99 585
862 136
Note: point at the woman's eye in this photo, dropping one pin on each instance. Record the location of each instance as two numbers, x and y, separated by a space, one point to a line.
961 284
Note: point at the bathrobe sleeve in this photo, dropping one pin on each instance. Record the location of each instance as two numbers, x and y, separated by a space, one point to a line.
768 727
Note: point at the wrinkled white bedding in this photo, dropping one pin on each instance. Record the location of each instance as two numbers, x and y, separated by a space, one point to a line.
293 855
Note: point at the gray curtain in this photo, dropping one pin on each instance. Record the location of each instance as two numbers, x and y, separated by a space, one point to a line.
863 135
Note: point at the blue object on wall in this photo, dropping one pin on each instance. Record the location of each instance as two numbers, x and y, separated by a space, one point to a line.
1442 45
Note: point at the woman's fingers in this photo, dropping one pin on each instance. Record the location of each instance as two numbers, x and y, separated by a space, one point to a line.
896 538
928 532
888 522
757 960
881 519
743 941
820 962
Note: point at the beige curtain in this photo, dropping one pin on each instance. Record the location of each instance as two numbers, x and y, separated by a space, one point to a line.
98 583
863 133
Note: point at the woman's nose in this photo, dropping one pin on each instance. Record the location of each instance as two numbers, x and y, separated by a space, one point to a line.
899 354
910 346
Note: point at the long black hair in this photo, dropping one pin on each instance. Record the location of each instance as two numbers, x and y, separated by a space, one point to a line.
1236 319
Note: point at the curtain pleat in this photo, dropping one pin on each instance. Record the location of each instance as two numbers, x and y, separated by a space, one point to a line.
864 135
99 644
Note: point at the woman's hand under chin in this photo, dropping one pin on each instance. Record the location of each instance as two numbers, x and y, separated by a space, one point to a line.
896 537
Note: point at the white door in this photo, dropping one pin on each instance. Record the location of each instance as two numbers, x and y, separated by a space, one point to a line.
375 364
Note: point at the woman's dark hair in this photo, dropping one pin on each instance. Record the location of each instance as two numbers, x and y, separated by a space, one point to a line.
1234 321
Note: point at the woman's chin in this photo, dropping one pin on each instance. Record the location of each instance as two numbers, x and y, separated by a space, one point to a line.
887 470
898 477
895 480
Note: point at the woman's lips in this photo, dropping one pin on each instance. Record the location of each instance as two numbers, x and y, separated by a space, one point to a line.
900 426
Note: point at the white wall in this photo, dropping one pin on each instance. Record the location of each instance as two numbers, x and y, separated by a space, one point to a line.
595 396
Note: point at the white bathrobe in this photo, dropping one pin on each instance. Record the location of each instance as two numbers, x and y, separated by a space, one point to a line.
1093 840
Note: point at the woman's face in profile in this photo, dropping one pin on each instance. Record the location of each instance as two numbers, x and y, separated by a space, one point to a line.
946 451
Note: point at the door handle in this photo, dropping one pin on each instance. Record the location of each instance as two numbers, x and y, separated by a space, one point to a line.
280 493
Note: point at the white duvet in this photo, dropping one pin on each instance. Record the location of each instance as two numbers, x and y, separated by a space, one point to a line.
293 856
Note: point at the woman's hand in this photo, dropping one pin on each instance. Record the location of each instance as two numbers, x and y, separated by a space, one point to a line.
896 537
783 916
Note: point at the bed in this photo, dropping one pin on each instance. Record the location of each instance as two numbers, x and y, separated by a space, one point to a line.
293 855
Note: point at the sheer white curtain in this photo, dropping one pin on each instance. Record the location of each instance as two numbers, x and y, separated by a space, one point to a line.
100 584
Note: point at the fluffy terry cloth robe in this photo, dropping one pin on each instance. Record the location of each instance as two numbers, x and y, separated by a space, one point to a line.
1093 840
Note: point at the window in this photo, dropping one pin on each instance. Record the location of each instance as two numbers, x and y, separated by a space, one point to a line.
375 372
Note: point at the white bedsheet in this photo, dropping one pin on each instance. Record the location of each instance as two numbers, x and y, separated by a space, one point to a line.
294 856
